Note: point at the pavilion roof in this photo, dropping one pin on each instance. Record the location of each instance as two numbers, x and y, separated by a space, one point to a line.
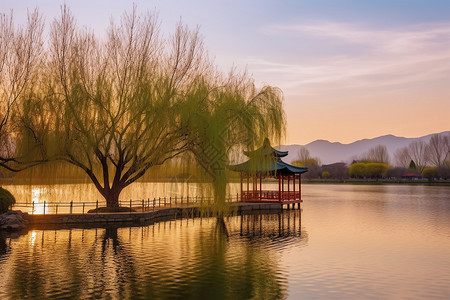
270 167
266 150
266 160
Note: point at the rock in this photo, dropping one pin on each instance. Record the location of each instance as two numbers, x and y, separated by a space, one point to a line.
13 220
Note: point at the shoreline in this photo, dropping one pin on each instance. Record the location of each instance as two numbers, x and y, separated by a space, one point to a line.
141 218
377 182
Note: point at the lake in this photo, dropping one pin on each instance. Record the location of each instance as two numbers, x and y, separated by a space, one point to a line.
349 241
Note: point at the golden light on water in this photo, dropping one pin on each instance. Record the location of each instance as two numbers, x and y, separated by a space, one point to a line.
345 242
144 262
33 236
39 200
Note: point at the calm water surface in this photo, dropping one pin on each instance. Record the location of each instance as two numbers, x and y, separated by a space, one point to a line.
349 242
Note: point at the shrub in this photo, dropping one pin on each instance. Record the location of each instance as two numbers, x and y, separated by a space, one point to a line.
6 200
357 170
325 174
377 170
368 170
429 173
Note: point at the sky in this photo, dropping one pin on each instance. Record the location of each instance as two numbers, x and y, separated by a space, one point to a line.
348 69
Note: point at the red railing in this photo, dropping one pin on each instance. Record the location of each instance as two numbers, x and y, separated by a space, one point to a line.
142 205
270 196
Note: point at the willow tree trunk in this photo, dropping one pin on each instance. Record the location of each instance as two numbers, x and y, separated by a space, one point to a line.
112 199
220 189
111 195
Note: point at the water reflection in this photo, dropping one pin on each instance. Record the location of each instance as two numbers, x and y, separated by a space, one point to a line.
349 242
280 225
39 196
211 258
3 246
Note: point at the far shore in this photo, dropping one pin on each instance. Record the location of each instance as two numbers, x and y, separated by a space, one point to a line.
376 181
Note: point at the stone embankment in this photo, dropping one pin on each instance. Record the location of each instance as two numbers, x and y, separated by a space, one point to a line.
13 220
143 217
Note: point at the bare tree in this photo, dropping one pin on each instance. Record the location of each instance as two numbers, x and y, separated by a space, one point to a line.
437 149
446 161
20 54
304 159
303 154
418 152
377 154
402 157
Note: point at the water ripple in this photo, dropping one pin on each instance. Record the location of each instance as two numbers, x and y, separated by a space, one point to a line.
349 242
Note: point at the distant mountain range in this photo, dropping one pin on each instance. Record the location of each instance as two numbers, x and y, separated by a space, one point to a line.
329 152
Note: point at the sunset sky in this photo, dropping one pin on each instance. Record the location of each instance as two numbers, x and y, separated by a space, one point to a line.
349 69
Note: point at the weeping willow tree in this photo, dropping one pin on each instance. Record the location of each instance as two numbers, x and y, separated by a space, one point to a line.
112 107
229 117
21 50
115 107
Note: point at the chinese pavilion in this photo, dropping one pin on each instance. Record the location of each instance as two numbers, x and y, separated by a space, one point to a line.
266 162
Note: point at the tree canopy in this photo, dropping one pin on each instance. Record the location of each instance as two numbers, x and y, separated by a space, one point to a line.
117 106
368 170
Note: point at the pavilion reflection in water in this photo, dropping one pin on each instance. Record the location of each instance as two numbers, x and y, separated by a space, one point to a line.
285 224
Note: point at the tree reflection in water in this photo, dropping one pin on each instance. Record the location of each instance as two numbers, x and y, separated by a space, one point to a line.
212 258
3 246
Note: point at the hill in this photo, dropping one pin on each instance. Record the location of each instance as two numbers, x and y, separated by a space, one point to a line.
329 152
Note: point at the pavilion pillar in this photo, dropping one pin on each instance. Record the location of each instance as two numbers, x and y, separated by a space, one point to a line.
255 187
242 186
248 187
300 186
282 187
279 187
260 187
289 196
295 197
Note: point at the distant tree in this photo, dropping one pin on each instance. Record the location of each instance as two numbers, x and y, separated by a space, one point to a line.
325 174
412 166
437 149
446 162
443 172
376 170
368 170
304 159
378 154
418 152
396 172
303 155
313 167
429 173
402 157
336 170
358 170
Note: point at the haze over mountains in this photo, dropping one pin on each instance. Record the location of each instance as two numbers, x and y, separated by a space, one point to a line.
329 152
